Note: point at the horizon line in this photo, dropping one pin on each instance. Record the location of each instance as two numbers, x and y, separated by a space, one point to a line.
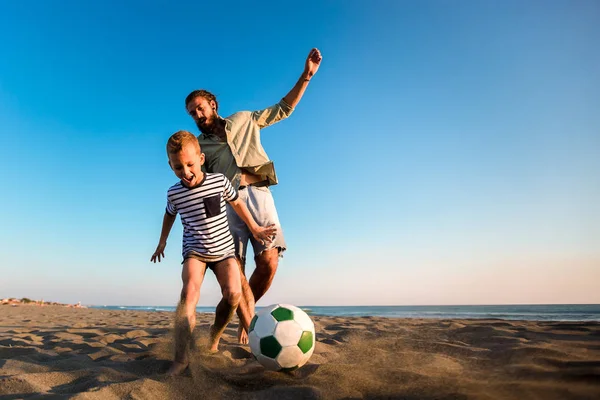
372 305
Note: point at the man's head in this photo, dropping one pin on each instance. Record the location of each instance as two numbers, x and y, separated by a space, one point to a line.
202 107
185 157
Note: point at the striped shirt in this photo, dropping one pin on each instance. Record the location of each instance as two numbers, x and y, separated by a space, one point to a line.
203 215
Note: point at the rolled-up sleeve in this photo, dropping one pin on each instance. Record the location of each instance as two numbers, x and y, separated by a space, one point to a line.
272 115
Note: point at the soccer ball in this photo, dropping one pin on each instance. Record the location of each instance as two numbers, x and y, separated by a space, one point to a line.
282 337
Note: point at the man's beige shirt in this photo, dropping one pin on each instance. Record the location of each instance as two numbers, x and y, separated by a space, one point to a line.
243 137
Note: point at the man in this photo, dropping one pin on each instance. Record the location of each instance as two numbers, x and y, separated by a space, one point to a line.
232 147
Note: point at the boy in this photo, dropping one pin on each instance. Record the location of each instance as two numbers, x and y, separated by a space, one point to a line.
200 199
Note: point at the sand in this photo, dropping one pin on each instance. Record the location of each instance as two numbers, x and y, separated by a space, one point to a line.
57 352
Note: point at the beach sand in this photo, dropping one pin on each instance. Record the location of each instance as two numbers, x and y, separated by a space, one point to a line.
57 352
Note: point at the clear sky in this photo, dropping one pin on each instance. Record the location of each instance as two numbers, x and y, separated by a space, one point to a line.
445 153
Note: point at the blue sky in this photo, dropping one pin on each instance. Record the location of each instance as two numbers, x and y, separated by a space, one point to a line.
445 153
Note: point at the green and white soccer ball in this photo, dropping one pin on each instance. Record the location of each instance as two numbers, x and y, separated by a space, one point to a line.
282 337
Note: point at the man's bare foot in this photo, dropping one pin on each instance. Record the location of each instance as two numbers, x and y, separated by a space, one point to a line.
242 335
176 368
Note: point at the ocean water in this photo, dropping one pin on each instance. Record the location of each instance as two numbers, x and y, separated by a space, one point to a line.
536 312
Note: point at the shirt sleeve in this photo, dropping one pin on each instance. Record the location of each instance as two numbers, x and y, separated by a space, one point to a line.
171 208
273 114
229 193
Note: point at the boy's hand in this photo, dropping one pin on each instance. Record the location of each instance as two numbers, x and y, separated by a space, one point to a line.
265 234
159 252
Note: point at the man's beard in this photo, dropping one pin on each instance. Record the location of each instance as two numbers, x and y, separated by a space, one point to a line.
215 127
206 129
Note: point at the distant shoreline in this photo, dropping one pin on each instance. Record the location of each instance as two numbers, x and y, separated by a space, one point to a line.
14 302
533 312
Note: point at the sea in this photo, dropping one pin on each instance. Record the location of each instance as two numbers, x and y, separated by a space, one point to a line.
533 312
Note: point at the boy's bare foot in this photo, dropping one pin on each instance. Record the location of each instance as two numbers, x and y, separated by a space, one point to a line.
176 368
242 335
214 340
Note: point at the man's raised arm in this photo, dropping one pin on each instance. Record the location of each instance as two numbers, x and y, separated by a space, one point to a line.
285 107
310 68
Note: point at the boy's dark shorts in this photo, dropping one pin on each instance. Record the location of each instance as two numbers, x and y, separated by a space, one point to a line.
210 263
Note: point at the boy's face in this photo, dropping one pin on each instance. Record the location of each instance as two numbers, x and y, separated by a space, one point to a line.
187 165
202 111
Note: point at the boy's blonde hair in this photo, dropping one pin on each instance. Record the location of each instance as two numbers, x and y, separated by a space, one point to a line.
179 140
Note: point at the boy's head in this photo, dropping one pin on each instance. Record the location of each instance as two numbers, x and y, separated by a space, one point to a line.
202 106
185 157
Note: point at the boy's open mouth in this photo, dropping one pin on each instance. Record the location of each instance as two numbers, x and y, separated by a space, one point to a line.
189 180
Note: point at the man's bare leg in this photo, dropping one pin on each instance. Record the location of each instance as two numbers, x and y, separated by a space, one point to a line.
245 310
192 276
262 277
228 276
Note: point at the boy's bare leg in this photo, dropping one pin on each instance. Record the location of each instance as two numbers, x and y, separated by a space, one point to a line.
228 276
192 276
245 310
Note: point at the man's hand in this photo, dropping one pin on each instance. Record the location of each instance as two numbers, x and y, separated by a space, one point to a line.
159 252
265 234
312 63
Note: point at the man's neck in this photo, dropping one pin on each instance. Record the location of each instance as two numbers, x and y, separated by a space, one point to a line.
217 128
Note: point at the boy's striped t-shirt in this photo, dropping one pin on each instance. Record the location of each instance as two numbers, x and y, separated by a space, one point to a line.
203 215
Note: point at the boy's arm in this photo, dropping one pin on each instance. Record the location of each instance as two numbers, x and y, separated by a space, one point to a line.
167 224
263 234
285 107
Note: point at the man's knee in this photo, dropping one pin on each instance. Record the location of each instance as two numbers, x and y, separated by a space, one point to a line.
232 297
267 261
